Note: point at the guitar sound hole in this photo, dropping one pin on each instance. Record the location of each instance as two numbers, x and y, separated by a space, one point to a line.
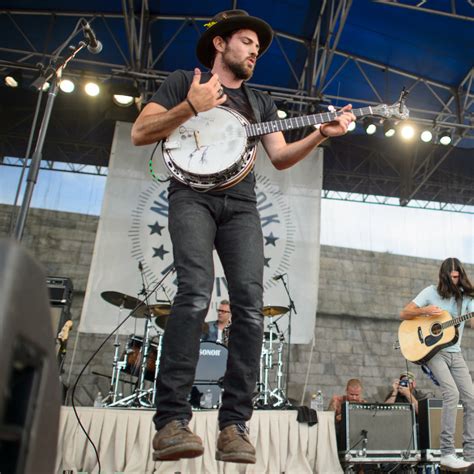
436 329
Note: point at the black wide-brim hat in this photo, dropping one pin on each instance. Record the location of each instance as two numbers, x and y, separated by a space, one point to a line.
225 22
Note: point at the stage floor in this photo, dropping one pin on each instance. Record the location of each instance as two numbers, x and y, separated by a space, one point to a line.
123 440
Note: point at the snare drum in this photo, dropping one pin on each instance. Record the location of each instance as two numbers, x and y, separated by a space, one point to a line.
210 371
134 356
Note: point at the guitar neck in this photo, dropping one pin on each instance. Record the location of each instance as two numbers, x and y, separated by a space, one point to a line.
264 128
458 320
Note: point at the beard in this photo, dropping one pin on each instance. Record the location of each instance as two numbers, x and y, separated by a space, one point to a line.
240 70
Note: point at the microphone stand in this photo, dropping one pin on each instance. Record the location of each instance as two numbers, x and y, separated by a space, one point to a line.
55 74
292 308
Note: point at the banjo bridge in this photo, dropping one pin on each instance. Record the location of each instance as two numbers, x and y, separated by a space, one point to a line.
172 145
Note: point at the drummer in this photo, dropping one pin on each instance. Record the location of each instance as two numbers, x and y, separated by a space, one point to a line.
218 331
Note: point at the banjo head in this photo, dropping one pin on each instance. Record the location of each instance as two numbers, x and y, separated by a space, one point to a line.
208 144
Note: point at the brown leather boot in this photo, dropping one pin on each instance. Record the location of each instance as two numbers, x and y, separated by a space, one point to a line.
175 441
233 445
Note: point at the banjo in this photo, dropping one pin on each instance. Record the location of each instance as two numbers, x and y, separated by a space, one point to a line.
217 148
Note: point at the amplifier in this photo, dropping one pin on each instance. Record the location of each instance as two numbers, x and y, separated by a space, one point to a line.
378 433
429 416
60 299
60 290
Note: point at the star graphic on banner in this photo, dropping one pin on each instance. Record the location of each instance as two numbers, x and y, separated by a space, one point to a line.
159 252
156 228
271 239
267 261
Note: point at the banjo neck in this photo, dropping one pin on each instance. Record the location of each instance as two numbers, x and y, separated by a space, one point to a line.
264 128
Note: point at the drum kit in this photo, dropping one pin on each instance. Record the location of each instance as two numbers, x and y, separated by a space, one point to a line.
142 354
141 357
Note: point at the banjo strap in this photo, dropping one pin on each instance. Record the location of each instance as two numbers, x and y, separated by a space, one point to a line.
252 97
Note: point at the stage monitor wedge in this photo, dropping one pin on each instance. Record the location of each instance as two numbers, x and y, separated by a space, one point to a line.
30 395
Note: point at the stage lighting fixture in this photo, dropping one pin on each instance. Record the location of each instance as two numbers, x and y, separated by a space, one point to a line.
92 89
445 137
123 100
426 136
281 114
39 83
125 94
67 86
389 128
351 126
14 78
369 126
407 131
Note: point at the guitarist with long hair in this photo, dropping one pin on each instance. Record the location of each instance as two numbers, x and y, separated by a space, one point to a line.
454 294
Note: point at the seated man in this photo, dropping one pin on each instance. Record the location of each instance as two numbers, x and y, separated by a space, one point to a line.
404 391
353 394
218 331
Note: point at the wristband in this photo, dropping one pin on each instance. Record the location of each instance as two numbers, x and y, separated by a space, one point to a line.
192 107
321 132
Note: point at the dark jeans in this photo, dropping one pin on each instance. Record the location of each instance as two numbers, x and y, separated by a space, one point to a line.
198 223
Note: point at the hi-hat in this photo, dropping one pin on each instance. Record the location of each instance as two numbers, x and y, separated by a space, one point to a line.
120 299
274 310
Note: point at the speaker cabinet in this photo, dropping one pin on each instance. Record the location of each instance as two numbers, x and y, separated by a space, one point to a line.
377 433
60 290
29 385
429 415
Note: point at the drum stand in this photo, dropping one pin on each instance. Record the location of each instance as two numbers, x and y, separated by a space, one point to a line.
266 364
141 385
262 384
157 369
278 393
117 367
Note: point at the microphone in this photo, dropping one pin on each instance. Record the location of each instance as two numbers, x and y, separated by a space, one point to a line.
364 442
278 277
93 45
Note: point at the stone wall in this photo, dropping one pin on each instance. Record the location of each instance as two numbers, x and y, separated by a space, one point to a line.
360 296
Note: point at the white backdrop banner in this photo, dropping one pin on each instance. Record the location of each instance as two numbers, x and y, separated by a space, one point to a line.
133 228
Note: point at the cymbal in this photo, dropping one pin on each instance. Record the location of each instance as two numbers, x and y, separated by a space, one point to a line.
274 310
160 309
118 299
152 310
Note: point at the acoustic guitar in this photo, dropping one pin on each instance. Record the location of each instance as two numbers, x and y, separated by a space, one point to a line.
422 337
61 343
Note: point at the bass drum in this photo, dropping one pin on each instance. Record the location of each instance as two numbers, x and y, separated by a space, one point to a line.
134 357
210 372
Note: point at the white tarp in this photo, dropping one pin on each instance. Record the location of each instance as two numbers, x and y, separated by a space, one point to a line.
133 229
